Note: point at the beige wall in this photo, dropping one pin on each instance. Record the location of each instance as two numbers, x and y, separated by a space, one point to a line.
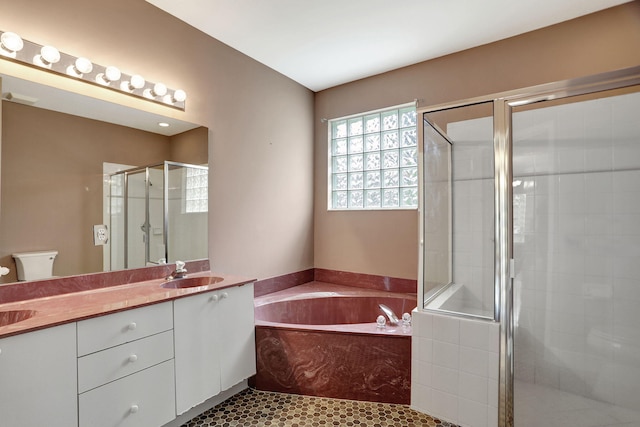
187 147
385 243
260 122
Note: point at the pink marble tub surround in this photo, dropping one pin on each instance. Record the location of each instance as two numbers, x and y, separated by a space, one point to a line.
359 280
279 283
74 306
368 281
20 291
300 350
331 364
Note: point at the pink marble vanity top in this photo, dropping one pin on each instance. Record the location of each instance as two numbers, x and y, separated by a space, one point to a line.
69 307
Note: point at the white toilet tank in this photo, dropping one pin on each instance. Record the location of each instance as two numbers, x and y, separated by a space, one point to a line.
35 265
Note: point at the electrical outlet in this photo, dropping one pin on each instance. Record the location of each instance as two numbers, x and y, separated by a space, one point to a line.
100 235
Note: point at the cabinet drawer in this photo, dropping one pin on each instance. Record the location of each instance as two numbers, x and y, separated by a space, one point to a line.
118 328
108 365
144 399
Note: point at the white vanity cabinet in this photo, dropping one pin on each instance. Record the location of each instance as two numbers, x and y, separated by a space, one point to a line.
126 368
214 343
38 378
237 335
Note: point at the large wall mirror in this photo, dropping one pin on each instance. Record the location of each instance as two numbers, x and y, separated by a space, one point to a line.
63 163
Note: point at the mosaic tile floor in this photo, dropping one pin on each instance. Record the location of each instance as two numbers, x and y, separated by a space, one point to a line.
260 408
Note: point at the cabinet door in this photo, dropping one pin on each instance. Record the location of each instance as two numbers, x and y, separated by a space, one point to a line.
38 378
196 349
237 335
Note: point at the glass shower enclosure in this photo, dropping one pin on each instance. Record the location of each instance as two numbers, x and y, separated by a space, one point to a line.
530 219
158 214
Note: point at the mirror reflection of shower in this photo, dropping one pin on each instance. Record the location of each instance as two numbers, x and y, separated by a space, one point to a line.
156 214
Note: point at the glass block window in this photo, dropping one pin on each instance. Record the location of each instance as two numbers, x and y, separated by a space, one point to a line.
116 193
196 190
373 160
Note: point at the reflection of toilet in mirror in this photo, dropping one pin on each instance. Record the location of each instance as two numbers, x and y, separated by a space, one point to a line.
34 265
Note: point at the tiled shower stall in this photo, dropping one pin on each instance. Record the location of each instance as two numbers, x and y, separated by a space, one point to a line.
568 351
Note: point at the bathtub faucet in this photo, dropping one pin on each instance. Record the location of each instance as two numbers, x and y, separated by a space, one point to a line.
180 272
393 319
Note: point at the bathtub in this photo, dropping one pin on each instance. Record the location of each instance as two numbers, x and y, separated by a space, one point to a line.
321 339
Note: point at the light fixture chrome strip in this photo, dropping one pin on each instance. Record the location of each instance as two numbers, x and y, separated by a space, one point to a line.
48 58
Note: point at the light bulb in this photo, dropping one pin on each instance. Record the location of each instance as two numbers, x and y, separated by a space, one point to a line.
83 65
111 74
180 95
159 89
10 43
49 55
137 82
80 67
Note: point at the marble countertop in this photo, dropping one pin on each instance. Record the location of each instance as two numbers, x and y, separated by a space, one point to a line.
70 307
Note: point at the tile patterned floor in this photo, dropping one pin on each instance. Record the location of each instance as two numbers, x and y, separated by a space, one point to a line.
260 408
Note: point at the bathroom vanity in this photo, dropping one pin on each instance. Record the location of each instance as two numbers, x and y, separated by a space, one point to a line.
137 354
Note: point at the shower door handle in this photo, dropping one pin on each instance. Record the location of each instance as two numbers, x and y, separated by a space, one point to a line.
145 231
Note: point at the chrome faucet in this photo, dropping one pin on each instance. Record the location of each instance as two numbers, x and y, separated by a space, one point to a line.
393 319
180 272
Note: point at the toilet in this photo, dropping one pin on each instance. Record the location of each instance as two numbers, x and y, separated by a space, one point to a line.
35 265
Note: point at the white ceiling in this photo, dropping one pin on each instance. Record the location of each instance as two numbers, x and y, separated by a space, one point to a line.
324 43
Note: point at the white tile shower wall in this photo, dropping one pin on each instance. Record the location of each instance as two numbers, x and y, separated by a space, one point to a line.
577 248
455 369
473 218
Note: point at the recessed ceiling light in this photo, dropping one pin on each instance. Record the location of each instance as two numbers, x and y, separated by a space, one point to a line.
163 124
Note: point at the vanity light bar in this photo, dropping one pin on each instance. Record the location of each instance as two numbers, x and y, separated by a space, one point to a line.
48 58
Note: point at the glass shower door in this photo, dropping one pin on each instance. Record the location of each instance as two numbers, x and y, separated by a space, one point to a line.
436 233
137 221
458 213
576 242
154 236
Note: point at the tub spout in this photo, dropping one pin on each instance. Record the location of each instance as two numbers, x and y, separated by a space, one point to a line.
393 319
